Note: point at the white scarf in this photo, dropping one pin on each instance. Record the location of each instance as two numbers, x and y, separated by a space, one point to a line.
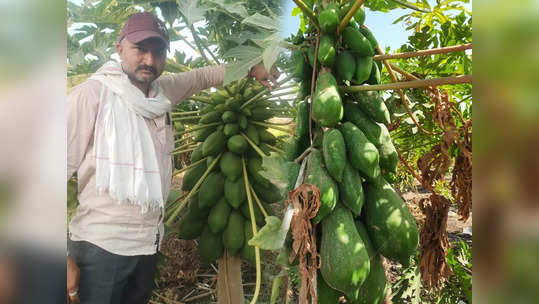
126 162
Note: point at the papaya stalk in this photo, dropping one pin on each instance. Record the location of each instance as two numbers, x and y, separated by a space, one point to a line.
201 99
255 147
253 226
257 200
276 149
348 16
184 113
263 92
258 123
180 207
185 118
197 128
308 11
189 167
182 151
184 146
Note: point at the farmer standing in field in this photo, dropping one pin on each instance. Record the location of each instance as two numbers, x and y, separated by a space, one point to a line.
119 139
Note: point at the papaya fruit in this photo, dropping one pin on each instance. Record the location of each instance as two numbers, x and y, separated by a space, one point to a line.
231 129
334 151
368 34
326 50
318 137
234 235
221 108
210 246
344 257
345 66
310 55
237 144
267 137
372 104
235 192
220 97
259 216
230 165
195 210
373 290
318 176
351 190
190 227
254 166
214 144
229 117
326 294
302 120
196 155
327 108
300 68
242 121
192 176
359 16
357 42
391 226
261 113
269 193
210 117
211 190
202 134
248 251
363 69
362 153
218 216
374 77
292 149
328 19
252 133
233 104
377 134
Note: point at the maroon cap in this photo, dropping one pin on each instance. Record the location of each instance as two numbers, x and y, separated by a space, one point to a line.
141 26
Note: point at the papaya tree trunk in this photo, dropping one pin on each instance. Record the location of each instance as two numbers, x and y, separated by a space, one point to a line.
229 282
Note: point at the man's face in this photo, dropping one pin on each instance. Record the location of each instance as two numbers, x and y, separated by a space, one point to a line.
142 62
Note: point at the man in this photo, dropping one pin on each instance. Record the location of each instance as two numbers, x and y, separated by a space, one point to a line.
119 139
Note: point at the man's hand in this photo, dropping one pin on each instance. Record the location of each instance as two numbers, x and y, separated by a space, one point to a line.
268 80
73 274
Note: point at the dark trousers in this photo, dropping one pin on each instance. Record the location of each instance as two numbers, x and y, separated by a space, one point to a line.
107 278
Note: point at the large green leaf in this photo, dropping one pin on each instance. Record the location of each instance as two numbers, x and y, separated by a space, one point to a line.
191 10
271 236
262 21
246 57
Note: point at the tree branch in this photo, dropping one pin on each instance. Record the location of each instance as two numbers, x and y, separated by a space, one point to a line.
448 49
348 16
422 83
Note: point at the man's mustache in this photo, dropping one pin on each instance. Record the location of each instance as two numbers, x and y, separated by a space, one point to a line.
147 68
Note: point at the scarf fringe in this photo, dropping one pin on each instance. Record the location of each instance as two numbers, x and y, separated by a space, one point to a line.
146 205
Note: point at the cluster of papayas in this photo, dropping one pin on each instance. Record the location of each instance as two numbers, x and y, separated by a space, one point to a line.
219 214
352 160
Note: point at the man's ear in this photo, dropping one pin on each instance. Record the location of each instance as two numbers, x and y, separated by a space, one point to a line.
119 48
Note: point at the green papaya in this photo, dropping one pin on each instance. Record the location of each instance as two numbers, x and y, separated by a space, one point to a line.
248 251
368 34
359 16
390 224
192 176
318 176
254 166
259 216
195 210
302 120
344 257
269 193
210 117
230 165
334 151
318 137
252 133
196 155
261 113
345 66
218 216
237 144
267 137
326 294
363 69
211 190
374 77
300 68
351 190
327 108
190 227
202 134
242 121
377 134
326 50
234 235
362 153
328 19
310 55
235 192
214 144
221 108
220 97
372 104
292 149
357 42
233 104
229 117
231 129
373 290
210 246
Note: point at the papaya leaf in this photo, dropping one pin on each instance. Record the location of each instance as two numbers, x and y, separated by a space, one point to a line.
191 10
246 56
271 236
280 172
262 21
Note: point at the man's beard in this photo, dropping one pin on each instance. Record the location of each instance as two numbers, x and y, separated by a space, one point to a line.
134 78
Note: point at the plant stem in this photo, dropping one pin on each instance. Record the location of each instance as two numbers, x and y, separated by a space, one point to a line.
410 84
253 227
189 167
283 94
313 83
448 49
198 128
285 87
276 149
185 118
258 202
262 124
255 147
410 6
264 91
191 193
184 113
184 146
302 156
307 11
348 16
201 99
182 151
278 123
